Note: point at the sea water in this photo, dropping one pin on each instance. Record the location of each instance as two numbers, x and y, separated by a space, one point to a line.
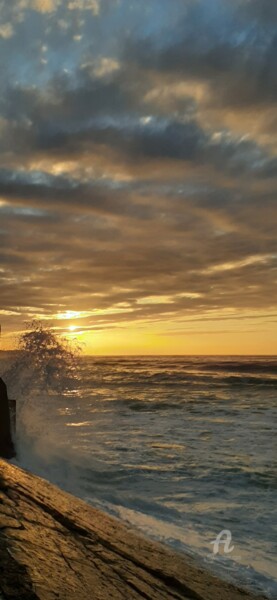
182 448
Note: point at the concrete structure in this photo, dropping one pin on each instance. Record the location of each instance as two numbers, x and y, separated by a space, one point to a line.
53 545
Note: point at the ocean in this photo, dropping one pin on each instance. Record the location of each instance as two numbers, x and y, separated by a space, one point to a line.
182 448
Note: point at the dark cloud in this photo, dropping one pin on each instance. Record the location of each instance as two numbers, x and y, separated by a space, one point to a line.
229 47
261 10
139 138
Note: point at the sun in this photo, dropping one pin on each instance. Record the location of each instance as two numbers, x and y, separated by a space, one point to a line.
72 328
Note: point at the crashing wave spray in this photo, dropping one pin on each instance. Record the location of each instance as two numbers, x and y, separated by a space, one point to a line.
45 362
45 368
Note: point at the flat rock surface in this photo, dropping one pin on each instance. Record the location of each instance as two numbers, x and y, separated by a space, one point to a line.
53 545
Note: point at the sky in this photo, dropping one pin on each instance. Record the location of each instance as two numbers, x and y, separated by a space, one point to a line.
138 172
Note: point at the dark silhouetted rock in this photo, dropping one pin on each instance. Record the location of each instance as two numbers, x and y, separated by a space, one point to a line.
6 444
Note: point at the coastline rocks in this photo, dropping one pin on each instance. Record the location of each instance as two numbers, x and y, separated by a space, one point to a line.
6 444
54 546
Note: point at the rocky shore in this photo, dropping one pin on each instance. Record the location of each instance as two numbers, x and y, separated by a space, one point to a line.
53 545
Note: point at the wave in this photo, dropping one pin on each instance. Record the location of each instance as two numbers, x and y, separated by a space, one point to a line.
175 379
243 365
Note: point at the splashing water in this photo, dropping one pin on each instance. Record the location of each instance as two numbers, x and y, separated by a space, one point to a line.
44 363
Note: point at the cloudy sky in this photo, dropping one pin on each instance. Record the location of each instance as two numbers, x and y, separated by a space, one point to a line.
138 173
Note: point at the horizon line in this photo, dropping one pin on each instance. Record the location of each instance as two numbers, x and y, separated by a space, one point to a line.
164 355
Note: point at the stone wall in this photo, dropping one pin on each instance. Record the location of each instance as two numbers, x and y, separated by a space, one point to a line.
53 545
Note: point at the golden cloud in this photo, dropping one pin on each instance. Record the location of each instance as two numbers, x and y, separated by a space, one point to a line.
6 31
